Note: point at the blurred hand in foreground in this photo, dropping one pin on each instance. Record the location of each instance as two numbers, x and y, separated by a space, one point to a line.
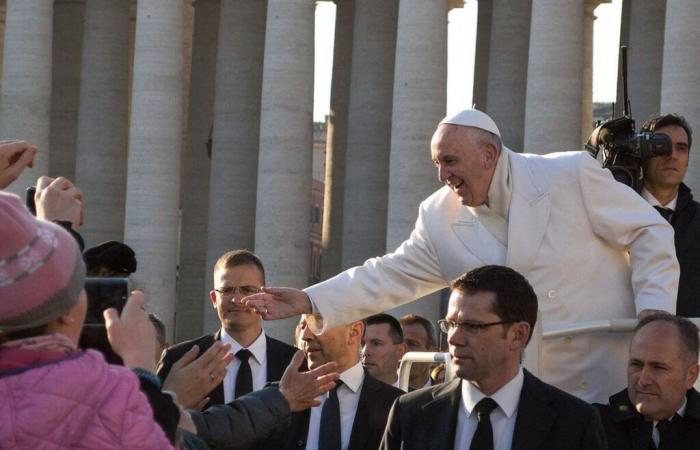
132 335
14 157
59 199
192 378
301 388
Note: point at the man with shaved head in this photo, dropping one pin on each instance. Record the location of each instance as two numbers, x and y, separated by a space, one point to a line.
659 409
591 247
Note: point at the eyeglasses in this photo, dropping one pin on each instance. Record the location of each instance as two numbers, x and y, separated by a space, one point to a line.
230 291
448 326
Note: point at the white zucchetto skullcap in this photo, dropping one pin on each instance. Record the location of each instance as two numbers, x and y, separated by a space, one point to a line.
473 118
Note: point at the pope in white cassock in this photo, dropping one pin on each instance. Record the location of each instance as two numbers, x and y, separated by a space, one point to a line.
590 246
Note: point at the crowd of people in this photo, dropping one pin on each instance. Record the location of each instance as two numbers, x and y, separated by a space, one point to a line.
510 234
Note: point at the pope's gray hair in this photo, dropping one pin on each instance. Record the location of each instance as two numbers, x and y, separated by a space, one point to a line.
484 137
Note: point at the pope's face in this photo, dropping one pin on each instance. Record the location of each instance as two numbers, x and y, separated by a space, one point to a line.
464 164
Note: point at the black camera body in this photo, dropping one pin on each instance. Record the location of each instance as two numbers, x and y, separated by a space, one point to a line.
620 149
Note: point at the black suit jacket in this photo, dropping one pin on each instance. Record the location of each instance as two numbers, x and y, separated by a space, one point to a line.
373 407
626 429
547 419
279 355
686 225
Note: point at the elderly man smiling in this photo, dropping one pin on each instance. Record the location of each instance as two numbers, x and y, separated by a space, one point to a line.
591 247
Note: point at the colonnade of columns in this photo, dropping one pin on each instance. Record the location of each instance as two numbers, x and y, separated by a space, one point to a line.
66 87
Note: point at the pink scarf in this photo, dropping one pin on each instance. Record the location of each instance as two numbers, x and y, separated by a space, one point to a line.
34 350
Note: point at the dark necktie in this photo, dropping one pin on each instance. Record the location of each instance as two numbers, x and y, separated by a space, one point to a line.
329 432
483 437
244 379
665 212
664 427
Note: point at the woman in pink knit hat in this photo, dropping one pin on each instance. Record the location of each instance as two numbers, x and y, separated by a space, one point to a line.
54 395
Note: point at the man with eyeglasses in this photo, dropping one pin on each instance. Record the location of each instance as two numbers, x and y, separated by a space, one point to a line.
258 358
493 403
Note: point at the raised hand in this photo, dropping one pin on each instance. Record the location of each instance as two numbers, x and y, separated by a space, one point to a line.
279 303
192 378
301 388
14 157
132 335
59 199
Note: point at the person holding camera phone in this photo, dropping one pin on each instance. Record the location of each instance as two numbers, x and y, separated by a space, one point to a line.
52 392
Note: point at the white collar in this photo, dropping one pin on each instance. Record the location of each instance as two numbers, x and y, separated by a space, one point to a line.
353 377
649 197
507 397
258 348
500 190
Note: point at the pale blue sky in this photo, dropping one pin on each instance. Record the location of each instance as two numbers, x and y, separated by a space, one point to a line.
461 44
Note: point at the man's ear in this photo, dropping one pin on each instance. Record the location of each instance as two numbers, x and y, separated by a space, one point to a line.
691 376
491 154
212 297
520 331
356 331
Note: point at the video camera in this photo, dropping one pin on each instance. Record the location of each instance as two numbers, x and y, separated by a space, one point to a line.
619 148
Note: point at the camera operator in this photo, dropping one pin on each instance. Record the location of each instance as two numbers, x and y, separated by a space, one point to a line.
664 190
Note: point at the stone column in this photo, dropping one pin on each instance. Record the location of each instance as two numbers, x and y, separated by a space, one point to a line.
420 80
482 57
234 164
3 9
68 19
369 131
191 284
103 120
645 57
284 169
680 88
151 224
555 76
336 140
25 103
587 79
507 75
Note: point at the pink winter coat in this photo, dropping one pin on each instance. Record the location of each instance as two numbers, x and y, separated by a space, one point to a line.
77 402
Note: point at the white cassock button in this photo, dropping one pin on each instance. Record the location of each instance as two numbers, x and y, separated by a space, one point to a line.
552 293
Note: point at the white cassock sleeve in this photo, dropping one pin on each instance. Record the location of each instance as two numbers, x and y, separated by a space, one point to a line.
623 219
410 272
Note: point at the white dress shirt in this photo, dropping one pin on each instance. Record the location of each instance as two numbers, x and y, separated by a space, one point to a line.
348 398
649 197
502 418
257 362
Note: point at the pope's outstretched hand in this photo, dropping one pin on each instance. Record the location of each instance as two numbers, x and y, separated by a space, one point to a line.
279 303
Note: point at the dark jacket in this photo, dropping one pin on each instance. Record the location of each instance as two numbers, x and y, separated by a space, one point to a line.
279 355
245 422
373 407
548 419
626 429
686 224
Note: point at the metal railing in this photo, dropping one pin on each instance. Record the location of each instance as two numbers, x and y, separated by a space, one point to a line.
422 357
532 356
